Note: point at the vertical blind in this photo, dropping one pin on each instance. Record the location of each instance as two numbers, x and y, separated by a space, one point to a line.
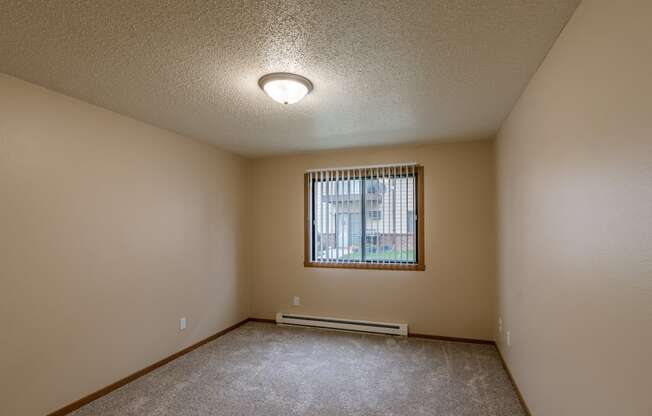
364 214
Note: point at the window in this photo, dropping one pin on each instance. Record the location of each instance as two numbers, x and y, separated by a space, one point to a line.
367 217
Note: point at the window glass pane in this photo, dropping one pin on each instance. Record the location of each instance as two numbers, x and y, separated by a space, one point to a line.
398 240
373 211
389 219
337 224
386 230
319 238
405 219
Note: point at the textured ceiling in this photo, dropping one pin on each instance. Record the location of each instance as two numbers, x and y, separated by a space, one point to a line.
385 72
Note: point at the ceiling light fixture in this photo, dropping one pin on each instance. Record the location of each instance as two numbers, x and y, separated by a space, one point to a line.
284 87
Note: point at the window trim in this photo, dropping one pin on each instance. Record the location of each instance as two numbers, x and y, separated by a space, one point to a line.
420 240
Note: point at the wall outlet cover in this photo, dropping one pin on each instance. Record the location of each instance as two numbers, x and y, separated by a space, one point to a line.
182 323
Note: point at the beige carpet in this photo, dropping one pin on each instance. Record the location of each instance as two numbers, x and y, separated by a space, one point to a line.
264 369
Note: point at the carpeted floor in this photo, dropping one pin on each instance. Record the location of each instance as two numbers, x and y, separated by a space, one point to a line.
264 369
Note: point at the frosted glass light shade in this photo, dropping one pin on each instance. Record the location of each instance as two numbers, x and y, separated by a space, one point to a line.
285 88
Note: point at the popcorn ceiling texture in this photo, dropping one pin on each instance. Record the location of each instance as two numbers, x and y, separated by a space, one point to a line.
385 72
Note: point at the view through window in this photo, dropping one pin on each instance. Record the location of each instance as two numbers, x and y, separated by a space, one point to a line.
365 215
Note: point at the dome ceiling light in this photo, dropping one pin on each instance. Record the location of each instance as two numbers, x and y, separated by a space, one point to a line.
285 88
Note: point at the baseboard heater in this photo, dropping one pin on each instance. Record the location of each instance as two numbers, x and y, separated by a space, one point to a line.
347 324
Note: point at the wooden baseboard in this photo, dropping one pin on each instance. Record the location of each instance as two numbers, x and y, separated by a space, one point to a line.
453 339
427 336
111 387
267 321
511 378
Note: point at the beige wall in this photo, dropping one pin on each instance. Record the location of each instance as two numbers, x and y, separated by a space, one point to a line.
455 296
575 202
110 231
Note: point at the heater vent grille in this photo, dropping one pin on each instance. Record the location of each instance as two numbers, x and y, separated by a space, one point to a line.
347 324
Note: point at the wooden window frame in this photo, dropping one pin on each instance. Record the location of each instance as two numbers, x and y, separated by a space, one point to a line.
419 266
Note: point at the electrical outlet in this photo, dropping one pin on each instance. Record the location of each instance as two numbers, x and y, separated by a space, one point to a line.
500 324
182 324
509 339
296 301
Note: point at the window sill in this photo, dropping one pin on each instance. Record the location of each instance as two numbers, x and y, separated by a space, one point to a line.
367 266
